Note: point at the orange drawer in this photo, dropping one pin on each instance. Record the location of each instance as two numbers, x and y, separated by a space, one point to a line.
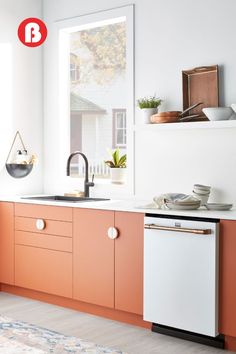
52 227
43 241
43 211
43 270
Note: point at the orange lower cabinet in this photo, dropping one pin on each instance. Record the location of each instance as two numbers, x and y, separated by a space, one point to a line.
227 319
129 262
43 270
93 257
7 243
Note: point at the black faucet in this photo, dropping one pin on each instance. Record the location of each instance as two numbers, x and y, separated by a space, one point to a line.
87 184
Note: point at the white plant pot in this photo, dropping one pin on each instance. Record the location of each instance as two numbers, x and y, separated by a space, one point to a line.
147 113
118 175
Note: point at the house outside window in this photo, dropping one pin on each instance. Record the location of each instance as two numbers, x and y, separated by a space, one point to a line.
74 68
119 128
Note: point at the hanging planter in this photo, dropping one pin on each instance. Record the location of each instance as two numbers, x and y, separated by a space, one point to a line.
17 170
23 164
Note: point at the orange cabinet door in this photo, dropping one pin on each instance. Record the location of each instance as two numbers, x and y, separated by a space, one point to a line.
93 257
227 286
43 270
7 243
129 262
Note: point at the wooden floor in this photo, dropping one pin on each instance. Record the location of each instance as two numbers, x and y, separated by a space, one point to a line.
130 339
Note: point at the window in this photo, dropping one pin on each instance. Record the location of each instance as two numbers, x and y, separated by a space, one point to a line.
74 68
101 52
119 128
98 52
74 72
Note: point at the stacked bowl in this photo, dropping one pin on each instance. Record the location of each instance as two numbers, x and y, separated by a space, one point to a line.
202 193
219 113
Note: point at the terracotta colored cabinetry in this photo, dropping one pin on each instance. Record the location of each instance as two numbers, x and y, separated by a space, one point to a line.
6 243
129 262
108 272
227 286
43 270
93 257
43 256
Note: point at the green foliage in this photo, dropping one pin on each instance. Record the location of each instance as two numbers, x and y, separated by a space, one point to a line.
117 161
107 44
149 102
101 52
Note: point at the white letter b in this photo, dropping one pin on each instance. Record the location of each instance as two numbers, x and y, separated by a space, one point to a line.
32 33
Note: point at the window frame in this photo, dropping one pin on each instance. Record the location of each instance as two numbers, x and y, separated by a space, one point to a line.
74 70
115 128
63 29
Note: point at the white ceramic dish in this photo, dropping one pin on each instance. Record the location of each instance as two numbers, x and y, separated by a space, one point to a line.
174 206
218 113
185 203
201 191
202 197
218 206
202 187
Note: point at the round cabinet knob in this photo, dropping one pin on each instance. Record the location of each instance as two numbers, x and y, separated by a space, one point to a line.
112 233
40 224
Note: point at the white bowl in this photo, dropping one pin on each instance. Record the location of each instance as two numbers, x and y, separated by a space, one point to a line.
218 113
202 188
233 106
174 206
201 191
202 198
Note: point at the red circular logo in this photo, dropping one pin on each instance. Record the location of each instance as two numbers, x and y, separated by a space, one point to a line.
32 32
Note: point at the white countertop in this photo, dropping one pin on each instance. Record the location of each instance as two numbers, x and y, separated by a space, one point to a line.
136 206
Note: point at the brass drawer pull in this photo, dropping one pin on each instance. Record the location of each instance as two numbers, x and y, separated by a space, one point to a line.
178 229
40 224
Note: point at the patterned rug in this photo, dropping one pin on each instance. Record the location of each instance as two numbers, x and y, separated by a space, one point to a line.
18 337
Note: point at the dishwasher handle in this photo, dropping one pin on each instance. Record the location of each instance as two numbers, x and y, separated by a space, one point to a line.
178 229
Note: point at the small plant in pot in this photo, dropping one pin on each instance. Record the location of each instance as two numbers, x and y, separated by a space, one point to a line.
149 106
117 166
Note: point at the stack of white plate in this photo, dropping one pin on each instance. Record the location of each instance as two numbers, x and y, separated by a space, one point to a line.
202 193
183 205
218 206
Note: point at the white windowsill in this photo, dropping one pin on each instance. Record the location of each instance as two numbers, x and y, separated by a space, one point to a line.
100 181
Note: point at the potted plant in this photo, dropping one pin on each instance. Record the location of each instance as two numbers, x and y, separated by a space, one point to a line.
149 106
117 166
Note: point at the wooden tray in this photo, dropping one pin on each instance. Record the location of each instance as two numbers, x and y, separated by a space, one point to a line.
201 85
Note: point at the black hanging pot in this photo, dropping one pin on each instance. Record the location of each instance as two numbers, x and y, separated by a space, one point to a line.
19 170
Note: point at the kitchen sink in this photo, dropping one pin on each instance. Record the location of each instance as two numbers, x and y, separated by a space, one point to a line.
62 198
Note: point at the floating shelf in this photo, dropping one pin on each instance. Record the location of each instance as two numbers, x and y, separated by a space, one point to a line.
187 125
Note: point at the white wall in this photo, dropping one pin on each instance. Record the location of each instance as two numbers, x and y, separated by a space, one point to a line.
170 36
20 94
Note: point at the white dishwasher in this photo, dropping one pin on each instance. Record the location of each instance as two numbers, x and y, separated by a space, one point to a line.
181 274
